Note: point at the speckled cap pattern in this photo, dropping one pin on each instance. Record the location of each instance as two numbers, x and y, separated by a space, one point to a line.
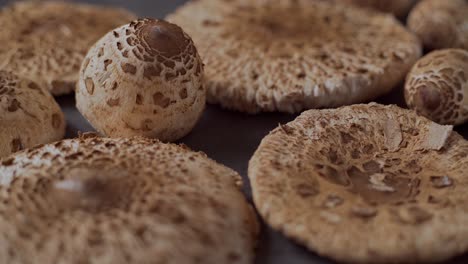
29 115
365 184
116 201
293 55
47 41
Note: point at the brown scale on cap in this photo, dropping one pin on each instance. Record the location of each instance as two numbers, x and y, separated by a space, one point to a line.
122 201
28 115
399 8
384 171
46 41
437 86
292 55
151 76
440 24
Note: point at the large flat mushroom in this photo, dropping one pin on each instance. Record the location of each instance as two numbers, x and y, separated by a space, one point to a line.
29 115
400 8
119 201
47 41
365 184
292 55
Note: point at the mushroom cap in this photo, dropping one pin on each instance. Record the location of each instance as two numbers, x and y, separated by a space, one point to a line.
437 86
143 79
440 24
100 200
365 184
323 55
29 115
47 41
399 8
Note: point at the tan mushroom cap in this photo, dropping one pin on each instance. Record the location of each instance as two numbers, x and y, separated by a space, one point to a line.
47 41
437 86
143 79
365 184
115 201
399 8
323 55
441 24
28 115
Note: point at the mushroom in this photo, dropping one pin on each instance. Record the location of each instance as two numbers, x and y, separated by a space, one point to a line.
101 200
365 184
28 115
400 8
323 55
437 86
143 79
47 41
440 24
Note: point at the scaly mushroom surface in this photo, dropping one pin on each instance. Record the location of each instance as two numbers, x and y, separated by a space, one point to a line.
437 86
144 78
29 115
365 184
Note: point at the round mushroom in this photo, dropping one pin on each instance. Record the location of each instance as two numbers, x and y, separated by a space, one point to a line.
399 8
324 55
437 86
28 115
143 79
46 41
355 175
440 24
118 201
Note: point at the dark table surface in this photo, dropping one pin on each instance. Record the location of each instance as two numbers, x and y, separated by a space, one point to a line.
229 138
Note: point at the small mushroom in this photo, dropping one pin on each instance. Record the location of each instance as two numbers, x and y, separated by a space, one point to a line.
144 78
437 86
293 55
46 41
399 8
102 200
440 24
368 186
28 115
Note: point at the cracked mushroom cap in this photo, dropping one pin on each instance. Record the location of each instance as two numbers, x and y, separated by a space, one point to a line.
437 86
116 201
29 115
365 184
143 79
47 41
324 55
399 8
440 24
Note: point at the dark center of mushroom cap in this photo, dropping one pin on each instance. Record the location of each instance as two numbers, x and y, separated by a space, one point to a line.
428 98
164 37
91 190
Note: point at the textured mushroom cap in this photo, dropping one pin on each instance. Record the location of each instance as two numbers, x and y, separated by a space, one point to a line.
440 23
365 183
143 79
323 55
437 86
28 115
399 8
115 201
47 41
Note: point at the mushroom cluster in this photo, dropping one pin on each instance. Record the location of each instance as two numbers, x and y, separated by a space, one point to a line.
29 115
336 180
144 78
